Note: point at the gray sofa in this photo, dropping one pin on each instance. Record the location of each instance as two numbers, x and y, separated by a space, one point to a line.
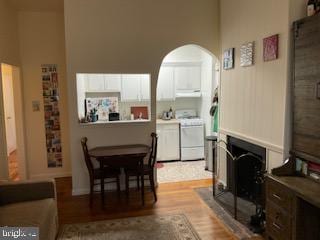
30 204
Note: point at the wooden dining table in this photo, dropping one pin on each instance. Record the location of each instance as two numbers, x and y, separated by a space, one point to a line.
121 156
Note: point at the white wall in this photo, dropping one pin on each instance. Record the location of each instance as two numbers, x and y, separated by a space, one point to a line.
127 37
253 99
188 53
42 41
208 84
9 53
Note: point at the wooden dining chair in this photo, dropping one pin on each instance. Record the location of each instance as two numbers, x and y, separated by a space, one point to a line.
146 170
111 175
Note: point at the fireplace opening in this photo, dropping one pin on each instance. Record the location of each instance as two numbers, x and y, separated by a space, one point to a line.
246 176
249 168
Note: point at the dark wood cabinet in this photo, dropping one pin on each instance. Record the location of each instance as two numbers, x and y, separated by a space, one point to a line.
306 89
293 202
279 210
292 208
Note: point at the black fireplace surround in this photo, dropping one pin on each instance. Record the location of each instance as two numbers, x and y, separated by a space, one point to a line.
247 169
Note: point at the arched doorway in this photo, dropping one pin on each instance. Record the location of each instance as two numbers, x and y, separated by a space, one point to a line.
187 82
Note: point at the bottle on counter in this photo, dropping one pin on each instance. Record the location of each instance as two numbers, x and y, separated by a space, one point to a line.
170 113
312 7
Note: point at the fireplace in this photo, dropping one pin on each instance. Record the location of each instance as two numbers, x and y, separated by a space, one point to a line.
249 169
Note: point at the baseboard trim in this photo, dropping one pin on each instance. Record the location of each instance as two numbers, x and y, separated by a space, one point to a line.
108 187
50 175
80 191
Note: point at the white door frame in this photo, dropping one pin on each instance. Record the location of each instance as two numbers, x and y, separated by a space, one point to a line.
19 122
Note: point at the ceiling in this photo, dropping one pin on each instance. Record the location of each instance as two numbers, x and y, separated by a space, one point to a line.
37 5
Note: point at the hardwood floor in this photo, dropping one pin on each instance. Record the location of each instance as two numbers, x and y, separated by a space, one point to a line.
172 198
13 166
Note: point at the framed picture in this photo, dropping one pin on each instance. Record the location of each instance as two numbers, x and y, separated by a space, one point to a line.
246 54
228 59
270 48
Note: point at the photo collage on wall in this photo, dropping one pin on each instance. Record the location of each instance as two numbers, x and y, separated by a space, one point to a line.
52 114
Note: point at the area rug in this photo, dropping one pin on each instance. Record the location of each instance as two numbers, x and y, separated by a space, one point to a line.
174 227
182 171
223 209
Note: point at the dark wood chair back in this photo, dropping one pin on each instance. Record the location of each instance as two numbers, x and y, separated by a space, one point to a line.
87 158
153 154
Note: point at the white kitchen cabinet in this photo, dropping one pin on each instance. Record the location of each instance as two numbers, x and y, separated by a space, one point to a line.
169 142
135 87
103 82
95 83
145 87
112 82
187 78
166 86
130 87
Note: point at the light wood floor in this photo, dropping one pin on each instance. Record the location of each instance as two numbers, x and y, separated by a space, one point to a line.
172 198
13 166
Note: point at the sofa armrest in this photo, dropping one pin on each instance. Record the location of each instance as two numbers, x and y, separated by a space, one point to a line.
13 192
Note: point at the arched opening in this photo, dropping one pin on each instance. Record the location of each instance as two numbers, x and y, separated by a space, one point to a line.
187 84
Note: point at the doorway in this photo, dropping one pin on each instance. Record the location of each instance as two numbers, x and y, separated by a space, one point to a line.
13 121
186 86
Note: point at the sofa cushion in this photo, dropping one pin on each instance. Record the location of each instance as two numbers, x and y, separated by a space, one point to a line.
40 213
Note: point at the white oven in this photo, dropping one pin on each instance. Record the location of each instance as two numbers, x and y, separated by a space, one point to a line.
191 137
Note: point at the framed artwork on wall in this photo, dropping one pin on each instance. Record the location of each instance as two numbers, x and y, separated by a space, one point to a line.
228 59
270 48
246 54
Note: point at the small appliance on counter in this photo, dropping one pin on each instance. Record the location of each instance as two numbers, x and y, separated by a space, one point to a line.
114 116
167 115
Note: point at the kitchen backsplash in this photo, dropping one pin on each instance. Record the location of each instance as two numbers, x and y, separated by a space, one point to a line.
124 107
179 103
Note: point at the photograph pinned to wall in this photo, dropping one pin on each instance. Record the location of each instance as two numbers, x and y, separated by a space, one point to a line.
50 94
228 59
247 54
270 48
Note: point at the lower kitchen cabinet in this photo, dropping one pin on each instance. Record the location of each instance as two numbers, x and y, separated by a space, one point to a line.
168 141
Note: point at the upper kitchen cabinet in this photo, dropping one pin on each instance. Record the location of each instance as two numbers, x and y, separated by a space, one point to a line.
145 87
112 82
95 82
103 82
135 87
188 78
166 86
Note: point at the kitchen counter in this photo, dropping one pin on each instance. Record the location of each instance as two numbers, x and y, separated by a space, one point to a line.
101 122
171 121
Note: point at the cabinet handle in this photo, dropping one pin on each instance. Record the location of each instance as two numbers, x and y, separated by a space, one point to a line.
276 226
318 90
277 196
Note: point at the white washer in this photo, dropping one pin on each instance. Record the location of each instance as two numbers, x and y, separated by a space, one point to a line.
191 136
